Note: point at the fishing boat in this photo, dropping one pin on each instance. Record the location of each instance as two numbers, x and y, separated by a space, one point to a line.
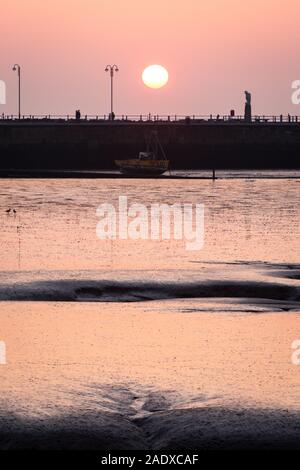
151 162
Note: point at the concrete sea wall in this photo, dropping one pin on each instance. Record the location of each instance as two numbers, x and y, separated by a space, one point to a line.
88 145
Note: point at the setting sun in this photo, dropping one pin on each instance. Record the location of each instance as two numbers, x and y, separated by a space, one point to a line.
155 76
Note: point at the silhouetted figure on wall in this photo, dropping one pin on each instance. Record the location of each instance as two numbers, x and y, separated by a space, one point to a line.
78 114
248 110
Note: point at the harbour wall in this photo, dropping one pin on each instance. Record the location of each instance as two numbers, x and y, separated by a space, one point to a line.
86 145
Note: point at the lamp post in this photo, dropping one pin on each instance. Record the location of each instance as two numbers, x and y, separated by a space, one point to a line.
111 69
17 68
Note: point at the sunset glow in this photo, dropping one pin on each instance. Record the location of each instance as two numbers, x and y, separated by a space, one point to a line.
149 210
205 46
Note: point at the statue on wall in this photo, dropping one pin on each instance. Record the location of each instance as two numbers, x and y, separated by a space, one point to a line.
248 110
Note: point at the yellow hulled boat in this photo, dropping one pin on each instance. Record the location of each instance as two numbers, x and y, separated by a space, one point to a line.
148 162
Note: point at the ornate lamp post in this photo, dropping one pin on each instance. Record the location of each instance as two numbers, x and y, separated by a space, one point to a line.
17 68
111 69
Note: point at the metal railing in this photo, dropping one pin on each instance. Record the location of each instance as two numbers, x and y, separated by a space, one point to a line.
196 118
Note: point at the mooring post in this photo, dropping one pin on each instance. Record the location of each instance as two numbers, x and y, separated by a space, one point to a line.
214 174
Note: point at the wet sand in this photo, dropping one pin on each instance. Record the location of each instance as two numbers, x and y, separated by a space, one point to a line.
138 344
211 428
170 374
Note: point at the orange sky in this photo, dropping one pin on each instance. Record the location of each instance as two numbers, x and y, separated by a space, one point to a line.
213 50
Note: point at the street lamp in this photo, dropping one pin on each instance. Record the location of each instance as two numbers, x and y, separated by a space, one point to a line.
111 69
16 67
